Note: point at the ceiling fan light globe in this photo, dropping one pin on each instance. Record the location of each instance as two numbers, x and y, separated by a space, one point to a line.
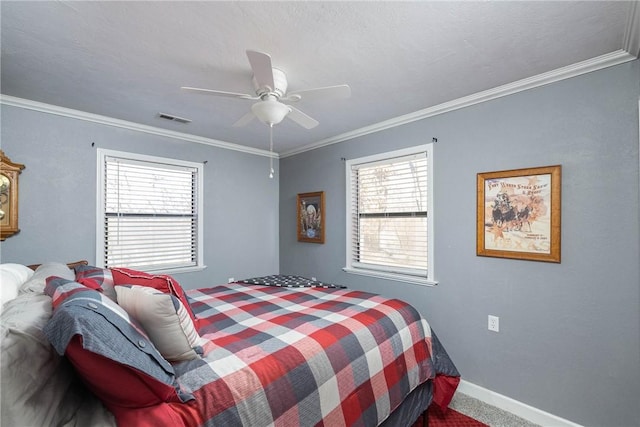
270 111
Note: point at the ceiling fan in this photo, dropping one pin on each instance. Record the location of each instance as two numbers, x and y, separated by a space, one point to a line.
270 86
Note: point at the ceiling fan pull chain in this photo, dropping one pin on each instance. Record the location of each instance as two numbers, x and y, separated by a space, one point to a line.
271 150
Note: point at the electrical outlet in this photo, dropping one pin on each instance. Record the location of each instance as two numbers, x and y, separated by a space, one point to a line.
494 323
231 280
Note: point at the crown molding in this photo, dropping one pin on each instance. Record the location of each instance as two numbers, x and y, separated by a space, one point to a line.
108 121
577 69
631 41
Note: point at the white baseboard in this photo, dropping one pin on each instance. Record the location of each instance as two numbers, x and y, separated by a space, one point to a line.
508 404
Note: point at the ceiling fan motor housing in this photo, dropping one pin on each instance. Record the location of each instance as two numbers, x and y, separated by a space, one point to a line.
279 81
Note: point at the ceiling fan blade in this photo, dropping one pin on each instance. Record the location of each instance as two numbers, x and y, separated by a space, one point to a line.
220 93
244 120
301 118
329 92
262 69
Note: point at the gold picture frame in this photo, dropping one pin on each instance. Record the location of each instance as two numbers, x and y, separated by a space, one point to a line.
518 214
311 217
9 172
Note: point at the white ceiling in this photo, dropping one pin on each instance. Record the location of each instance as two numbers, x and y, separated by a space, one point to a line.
128 60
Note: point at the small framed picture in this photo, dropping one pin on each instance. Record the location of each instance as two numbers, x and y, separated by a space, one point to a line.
311 217
518 214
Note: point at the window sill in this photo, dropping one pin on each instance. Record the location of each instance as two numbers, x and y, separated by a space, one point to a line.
177 270
391 276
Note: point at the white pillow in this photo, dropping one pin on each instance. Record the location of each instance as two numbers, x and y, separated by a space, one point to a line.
12 276
165 319
38 281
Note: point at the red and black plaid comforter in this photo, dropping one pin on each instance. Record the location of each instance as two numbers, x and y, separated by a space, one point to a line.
303 356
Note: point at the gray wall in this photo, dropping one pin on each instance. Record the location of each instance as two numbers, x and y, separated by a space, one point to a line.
569 340
58 195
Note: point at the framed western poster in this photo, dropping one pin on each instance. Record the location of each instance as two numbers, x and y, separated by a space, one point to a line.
518 214
311 217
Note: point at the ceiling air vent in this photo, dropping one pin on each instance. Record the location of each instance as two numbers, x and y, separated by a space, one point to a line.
173 118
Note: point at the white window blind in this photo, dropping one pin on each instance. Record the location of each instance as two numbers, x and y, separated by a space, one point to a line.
389 218
150 213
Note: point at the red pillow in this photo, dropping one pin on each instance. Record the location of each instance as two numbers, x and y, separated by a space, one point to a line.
161 282
116 384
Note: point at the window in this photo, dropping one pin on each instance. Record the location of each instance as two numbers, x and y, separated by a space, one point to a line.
149 212
389 221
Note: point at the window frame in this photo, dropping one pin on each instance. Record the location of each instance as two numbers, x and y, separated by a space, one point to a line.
382 271
102 154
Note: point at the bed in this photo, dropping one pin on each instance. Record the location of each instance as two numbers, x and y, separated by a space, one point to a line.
83 345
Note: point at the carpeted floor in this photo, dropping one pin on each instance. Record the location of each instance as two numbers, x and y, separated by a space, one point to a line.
490 415
465 411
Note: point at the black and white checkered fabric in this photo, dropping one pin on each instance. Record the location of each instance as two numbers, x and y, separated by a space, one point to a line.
289 281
